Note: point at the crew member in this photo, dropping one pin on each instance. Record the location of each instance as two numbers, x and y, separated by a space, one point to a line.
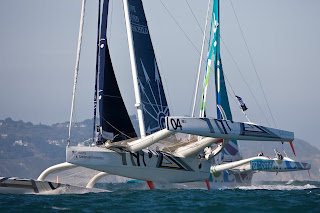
279 155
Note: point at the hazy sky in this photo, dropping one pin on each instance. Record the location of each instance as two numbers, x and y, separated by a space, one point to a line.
38 50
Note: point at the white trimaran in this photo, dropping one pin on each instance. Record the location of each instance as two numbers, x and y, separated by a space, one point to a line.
118 151
229 168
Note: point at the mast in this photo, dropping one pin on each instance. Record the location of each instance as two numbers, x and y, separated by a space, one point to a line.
231 150
77 65
134 69
200 62
218 70
97 75
213 52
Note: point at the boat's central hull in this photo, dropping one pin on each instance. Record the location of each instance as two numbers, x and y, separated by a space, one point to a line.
146 165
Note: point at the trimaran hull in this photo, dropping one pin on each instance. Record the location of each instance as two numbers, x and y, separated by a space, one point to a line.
162 167
242 175
145 165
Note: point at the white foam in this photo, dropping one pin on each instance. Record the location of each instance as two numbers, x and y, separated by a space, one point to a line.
290 182
74 190
59 208
278 187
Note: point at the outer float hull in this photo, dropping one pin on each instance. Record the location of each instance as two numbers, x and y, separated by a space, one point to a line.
15 185
272 165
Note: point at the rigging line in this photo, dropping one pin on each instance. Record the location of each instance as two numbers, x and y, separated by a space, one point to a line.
202 31
254 67
234 98
67 175
116 128
163 77
194 46
177 144
243 80
72 173
180 27
201 56
75 123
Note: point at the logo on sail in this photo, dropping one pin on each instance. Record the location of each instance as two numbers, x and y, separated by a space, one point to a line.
139 28
154 104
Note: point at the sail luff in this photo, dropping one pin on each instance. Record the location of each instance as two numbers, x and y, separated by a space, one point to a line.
134 69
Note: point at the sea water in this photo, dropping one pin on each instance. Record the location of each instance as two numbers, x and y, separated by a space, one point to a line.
292 196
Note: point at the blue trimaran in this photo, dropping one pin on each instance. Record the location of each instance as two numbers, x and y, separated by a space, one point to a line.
157 156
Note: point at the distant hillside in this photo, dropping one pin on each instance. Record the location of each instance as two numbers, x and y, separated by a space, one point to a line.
27 149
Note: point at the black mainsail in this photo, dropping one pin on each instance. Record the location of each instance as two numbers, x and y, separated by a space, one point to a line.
114 118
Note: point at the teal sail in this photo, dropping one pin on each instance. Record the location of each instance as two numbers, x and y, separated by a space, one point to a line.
231 150
213 54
